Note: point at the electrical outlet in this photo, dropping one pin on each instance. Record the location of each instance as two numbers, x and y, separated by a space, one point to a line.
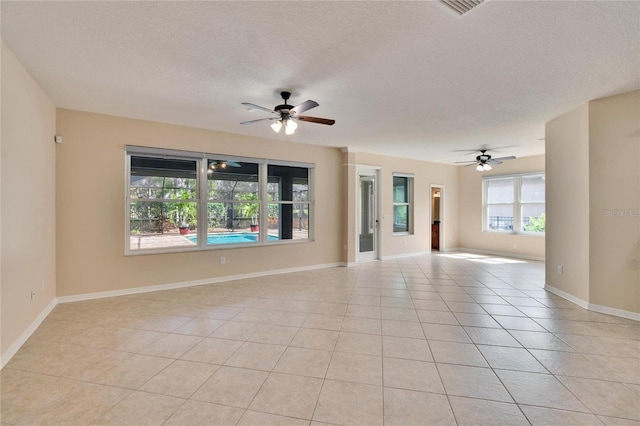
560 269
33 294
515 246
223 260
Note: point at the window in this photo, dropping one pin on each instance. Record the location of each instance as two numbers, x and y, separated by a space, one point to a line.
402 209
514 204
180 201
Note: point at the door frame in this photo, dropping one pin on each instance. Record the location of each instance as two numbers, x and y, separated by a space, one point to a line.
375 171
442 239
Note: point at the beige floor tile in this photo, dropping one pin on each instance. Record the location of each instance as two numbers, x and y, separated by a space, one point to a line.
506 358
254 418
518 323
315 339
542 390
405 407
615 421
220 312
626 370
304 362
406 348
503 310
133 371
323 322
212 351
141 408
399 314
356 368
82 405
412 375
437 317
463 307
402 329
359 343
472 382
164 323
469 411
200 327
254 315
171 345
447 333
605 398
364 300
291 319
362 325
259 356
235 387
536 340
491 336
349 404
180 379
196 413
362 311
550 416
274 334
570 364
457 353
235 330
287 395
431 305
476 320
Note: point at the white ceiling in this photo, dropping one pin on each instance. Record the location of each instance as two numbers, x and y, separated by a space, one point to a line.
408 79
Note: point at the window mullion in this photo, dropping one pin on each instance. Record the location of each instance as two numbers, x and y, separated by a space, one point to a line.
263 205
202 220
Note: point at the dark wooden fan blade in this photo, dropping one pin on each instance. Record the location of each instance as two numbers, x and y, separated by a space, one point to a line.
316 120
305 106
512 157
254 106
260 119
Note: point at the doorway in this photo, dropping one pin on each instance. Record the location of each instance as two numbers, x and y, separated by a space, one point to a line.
368 235
437 205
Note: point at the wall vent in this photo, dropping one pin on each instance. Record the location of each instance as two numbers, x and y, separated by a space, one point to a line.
462 7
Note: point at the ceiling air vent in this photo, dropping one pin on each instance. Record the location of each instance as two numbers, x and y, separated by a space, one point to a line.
461 7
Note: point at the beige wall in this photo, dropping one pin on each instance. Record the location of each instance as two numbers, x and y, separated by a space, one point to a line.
567 191
470 231
614 199
91 217
425 174
28 200
593 202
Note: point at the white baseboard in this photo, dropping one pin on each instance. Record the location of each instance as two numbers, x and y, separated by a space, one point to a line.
501 254
171 286
615 312
24 336
571 298
400 256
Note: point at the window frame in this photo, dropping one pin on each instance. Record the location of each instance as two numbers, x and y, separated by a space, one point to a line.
202 200
517 203
408 203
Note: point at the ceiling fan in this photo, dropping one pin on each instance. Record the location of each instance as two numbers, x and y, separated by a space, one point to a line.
221 165
286 115
484 161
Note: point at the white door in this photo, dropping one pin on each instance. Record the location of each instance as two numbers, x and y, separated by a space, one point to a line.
367 216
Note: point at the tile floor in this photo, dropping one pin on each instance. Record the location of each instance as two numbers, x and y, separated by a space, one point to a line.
438 339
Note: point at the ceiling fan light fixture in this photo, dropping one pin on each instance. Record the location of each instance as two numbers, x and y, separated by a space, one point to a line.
486 167
277 126
480 168
290 127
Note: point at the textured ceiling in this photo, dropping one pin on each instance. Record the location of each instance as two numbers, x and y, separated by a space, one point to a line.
408 79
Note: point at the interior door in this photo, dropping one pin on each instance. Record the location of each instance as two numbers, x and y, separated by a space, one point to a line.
367 217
